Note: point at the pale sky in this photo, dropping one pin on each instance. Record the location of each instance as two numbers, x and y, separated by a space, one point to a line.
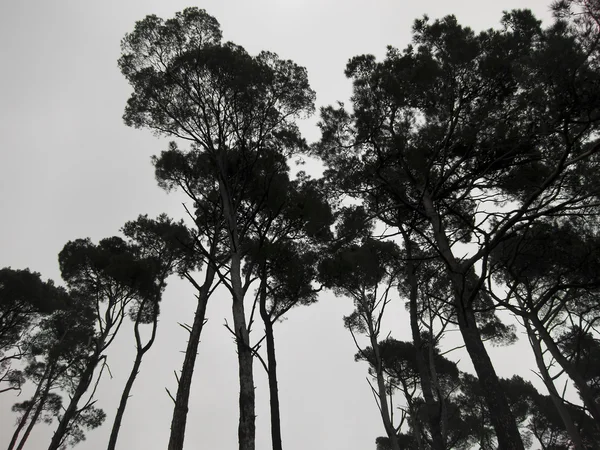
70 168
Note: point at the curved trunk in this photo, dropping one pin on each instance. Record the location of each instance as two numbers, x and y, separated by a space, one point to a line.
507 431
112 442
178 422
140 351
71 411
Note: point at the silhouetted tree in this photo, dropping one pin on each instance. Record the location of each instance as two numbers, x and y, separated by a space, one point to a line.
468 137
24 299
107 278
59 344
164 246
551 270
365 271
235 109
283 256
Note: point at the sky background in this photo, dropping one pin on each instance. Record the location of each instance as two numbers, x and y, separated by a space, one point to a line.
70 168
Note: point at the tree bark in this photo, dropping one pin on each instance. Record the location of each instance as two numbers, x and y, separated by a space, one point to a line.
178 422
507 431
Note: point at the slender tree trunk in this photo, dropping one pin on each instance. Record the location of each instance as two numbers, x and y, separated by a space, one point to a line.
247 421
140 352
413 416
272 368
507 431
178 422
556 398
36 414
433 408
273 388
247 425
71 411
37 398
440 395
384 407
112 442
580 383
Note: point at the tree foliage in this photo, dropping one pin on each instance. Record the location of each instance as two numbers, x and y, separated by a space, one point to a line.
461 182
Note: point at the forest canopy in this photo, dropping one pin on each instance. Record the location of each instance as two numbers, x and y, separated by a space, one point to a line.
460 185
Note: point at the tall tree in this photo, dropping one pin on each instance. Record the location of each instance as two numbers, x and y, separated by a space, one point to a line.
234 109
176 170
164 246
458 125
365 271
283 255
106 278
59 343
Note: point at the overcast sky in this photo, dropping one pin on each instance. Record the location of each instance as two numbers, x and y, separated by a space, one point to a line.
70 168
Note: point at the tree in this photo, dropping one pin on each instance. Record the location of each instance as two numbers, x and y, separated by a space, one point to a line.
551 270
164 247
176 170
24 299
282 256
106 279
468 138
365 271
234 109
59 344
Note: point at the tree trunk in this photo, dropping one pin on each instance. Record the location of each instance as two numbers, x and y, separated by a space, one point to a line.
140 351
501 416
247 425
440 395
112 442
180 410
247 422
507 431
37 399
580 383
384 408
36 414
433 408
71 411
272 369
554 395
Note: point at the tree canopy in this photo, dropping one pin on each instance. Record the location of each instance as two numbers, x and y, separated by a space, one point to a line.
460 184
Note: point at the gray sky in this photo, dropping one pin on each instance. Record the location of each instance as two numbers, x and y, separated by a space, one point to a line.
70 168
